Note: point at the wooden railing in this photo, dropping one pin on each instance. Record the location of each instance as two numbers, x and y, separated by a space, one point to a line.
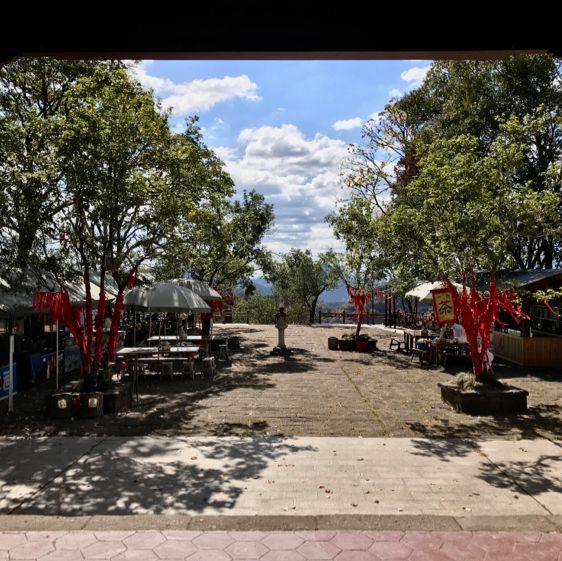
346 317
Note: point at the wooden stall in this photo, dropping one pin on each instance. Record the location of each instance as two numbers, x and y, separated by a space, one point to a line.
528 351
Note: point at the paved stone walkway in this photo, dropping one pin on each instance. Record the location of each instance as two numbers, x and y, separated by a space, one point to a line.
275 476
171 545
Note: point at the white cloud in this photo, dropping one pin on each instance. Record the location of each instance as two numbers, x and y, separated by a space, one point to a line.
299 175
203 95
347 124
395 92
199 95
414 76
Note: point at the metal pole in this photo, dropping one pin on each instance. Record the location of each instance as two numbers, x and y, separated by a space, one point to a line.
57 356
11 375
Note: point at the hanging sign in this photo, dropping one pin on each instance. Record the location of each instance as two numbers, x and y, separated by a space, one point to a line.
443 305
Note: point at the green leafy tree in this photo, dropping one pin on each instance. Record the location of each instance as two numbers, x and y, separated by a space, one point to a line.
363 263
299 280
33 100
115 159
219 241
461 213
476 98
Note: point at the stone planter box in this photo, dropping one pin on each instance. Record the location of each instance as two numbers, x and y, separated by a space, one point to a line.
490 402
59 405
346 344
117 399
91 404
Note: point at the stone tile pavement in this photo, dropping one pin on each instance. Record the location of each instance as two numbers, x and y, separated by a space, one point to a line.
174 545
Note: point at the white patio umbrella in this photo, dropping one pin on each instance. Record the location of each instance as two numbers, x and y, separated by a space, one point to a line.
200 288
423 290
166 297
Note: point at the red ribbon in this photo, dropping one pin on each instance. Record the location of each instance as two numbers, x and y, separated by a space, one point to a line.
476 315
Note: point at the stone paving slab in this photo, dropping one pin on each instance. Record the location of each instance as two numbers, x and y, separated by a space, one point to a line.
30 464
282 546
276 476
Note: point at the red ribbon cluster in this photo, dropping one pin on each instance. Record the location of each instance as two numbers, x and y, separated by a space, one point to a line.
58 306
359 298
476 315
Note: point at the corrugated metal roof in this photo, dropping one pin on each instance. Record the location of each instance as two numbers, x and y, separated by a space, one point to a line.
526 279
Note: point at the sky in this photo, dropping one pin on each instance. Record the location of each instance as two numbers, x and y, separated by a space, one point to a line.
283 127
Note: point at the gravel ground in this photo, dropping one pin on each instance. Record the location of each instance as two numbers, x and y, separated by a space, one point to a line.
314 392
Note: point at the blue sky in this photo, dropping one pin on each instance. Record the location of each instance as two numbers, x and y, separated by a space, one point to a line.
283 127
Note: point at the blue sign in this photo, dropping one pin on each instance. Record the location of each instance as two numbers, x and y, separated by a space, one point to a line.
5 381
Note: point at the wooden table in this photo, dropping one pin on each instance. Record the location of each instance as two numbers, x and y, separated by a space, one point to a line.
440 349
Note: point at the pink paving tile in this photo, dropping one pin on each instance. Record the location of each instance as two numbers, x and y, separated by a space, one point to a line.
144 540
175 549
539 551
66 555
75 540
209 555
430 555
103 550
494 541
551 537
453 537
356 556
3 556
113 536
31 550
317 536
7 541
248 536
352 540
505 556
318 550
213 540
528 537
180 534
282 556
422 540
391 550
466 551
136 555
246 550
284 540
384 535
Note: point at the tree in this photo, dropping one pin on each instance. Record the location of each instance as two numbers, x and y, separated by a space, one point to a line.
475 98
460 215
219 242
363 263
300 279
117 182
33 100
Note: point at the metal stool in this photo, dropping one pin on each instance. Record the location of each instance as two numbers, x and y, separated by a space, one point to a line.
209 366
223 352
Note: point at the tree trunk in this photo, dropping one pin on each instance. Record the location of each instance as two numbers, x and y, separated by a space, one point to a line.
359 322
312 310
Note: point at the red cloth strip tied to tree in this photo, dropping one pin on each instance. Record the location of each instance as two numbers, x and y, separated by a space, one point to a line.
114 332
58 306
359 298
477 314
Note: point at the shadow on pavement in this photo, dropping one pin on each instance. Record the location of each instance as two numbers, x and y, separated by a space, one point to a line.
147 475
